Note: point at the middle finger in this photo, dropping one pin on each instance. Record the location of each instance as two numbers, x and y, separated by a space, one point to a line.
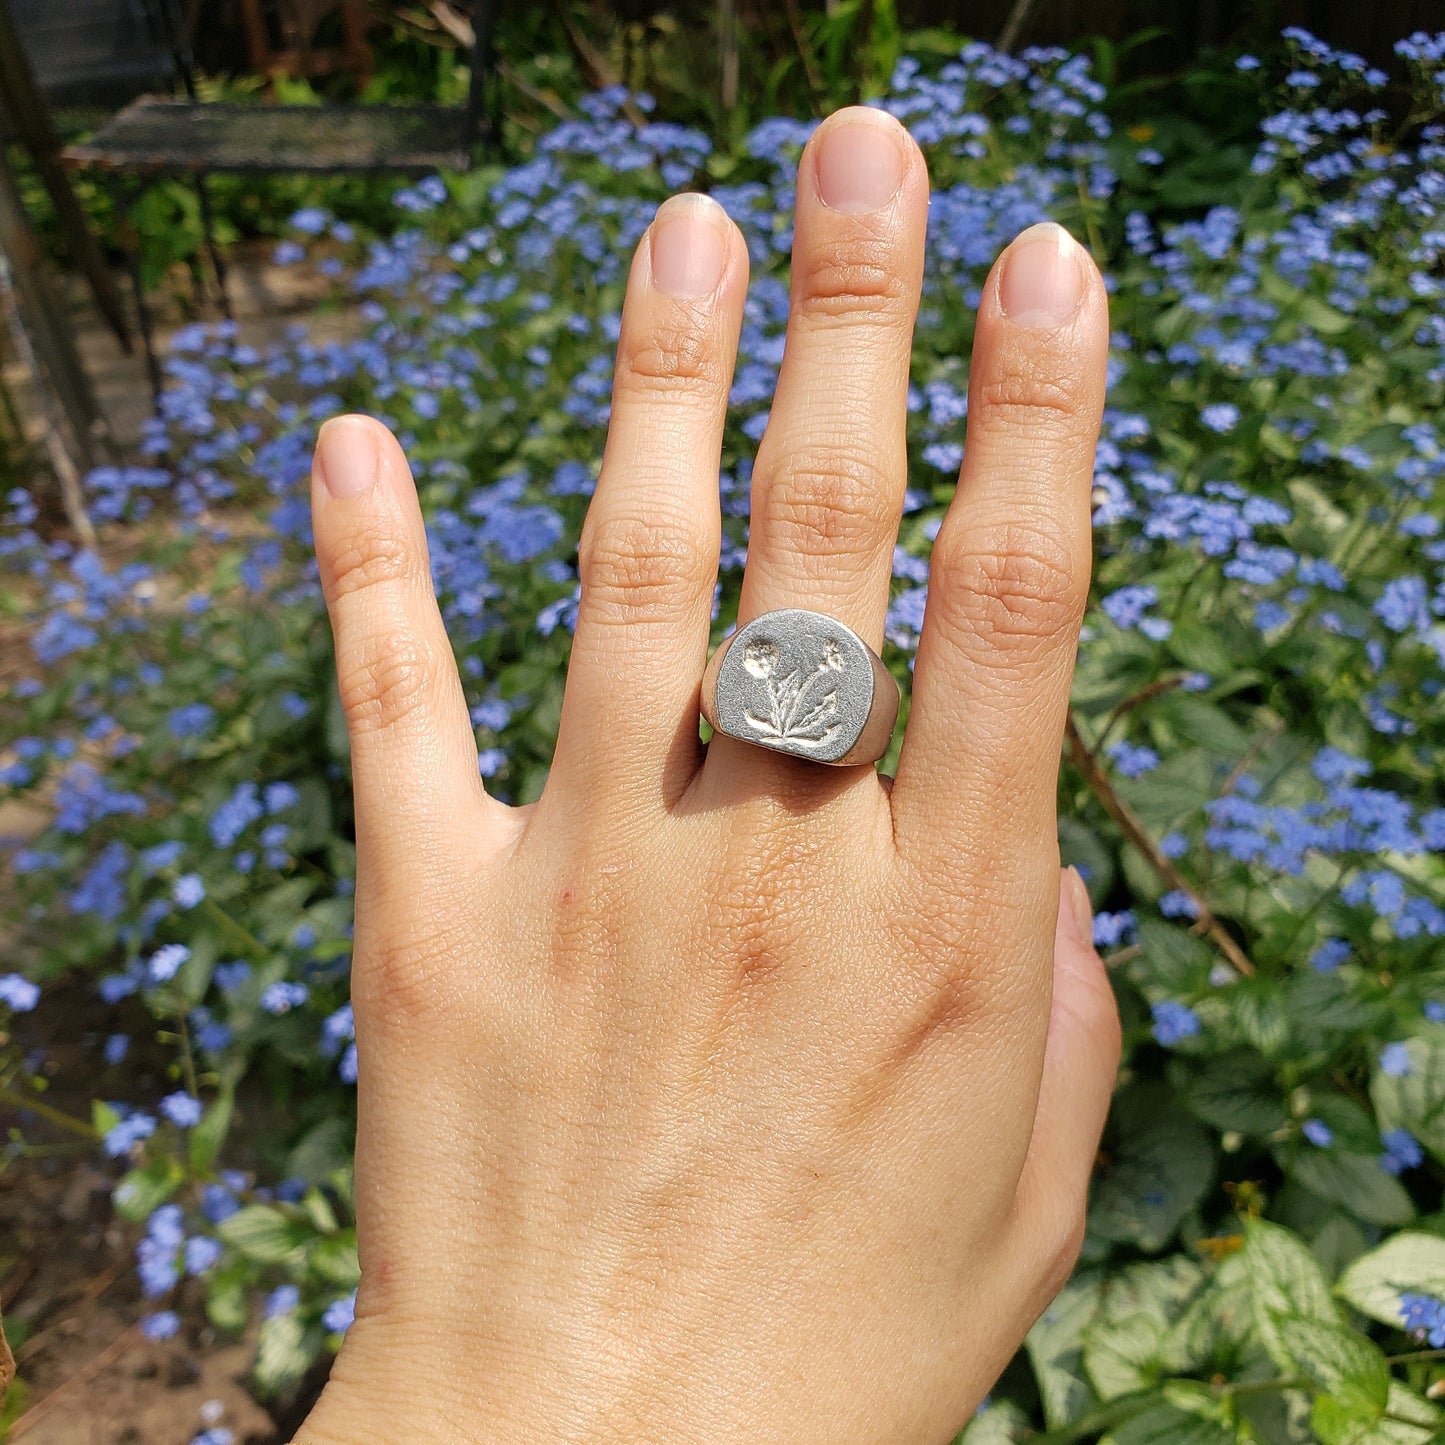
828 484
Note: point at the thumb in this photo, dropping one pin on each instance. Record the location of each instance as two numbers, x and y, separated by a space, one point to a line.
1081 1062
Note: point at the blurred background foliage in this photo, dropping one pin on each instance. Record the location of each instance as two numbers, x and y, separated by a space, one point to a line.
723 66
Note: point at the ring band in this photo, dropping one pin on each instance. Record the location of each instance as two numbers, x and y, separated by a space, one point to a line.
802 683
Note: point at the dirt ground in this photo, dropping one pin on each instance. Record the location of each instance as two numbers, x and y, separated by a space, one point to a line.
68 1289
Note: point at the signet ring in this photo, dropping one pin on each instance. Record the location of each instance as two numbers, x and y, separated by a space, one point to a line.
802 683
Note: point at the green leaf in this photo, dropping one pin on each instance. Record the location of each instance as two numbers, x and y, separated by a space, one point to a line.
281 1353
1000 1423
1122 1342
1412 1420
1343 1419
143 1191
195 973
226 1299
1166 1424
103 1118
1215 1324
1055 1350
1410 1262
1160 1169
1172 958
1260 1014
335 1259
262 1233
208 1136
1286 1280
1355 1181
1205 723
1121 1355
1339 1360
1236 1090
1416 1100
1200 648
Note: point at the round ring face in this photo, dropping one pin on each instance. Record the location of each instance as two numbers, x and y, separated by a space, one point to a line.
797 682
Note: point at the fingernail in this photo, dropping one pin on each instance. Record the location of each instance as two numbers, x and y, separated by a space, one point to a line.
689 245
1081 910
860 162
1042 280
346 456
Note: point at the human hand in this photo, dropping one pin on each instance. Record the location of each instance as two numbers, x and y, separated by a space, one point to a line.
718 1094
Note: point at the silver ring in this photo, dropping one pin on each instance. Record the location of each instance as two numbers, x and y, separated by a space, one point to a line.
801 683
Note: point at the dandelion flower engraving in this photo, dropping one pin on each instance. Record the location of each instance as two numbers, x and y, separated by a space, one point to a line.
795 713
760 658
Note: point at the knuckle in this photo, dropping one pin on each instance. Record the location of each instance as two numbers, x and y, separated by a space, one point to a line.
631 566
408 977
940 988
384 681
858 276
835 502
372 556
1022 399
1015 587
679 355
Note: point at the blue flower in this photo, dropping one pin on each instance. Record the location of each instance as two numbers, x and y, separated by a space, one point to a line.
340 1313
1220 416
124 1136
218 1203
191 720
201 1253
1178 904
1402 1151
230 976
311 220
281 997
1318 1133
1174 1022
1395 1060
1110 929
162 1325
1423 1316
188 890
1330 765
281 1301
1133 761
166 962
279 796
182 1109
1329 955
18 994
1126 606
235 815
1403 604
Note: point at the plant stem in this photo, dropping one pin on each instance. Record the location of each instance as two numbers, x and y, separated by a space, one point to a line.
1154 689
1102 787
244 934
55 1116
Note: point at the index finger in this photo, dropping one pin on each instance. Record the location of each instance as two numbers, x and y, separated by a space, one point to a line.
978 775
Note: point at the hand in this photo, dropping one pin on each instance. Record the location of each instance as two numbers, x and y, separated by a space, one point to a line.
720 1095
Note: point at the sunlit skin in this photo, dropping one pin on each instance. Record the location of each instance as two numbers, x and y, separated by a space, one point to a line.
720 1095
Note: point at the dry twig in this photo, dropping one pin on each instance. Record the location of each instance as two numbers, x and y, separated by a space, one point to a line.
1102 788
